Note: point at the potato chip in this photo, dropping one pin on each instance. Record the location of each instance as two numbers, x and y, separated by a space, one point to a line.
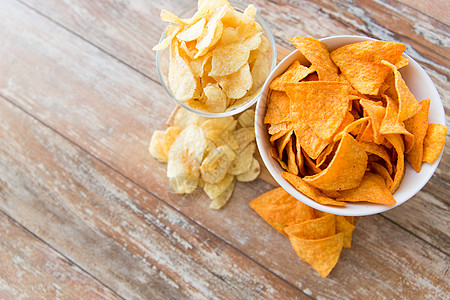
229 36
183 87
253 42
407 103
216 100
278 108
170 135
259 70
396 141
322 105
346 169
252 173
280 209
344 226
434 142
312 229
361 63
321 254
212 32
247 118
316 52
192 32
219 201
309 190
243 161
372 189
168 40
418 125
184 118
293 74
250 11
198 67
184 183
237 84
215 166
213 190
156 147
186 153
244 136
229 59
219 130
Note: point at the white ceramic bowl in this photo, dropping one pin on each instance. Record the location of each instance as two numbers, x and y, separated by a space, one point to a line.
162 65
420 85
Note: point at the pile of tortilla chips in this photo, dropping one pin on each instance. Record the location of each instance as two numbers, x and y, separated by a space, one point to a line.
342 126
219 58
317 237
208 153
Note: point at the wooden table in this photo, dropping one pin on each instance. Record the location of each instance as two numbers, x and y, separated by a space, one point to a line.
85 212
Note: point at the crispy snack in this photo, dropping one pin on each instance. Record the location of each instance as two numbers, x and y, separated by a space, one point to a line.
207 153
219 58
343 126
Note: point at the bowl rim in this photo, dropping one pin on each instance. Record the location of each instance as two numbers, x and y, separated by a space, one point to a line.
237 110
351 209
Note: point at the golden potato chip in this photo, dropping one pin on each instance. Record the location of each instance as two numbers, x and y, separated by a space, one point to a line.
247 118
278 108
212 32
192 32
309 141
243 161
229 36
170 135
252 173
321 254
322 105
383 172
253 42
434 142
216 100
345 170
215 165
309 190
220 130
313 229
280 209
361 63
372 189
291 159
229 59
182 86
184 183
397 142
316 52
156 147
250 11
198 67
186 153
213 190
222 199
407 103
293 74
244 136
344 226
418 125
184 118
259 70
237 84
168 40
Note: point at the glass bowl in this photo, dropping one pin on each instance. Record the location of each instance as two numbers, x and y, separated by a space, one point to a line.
419 84
162 66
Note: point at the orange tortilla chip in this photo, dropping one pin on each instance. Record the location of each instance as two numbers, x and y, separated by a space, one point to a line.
313 229
346 169
343 225
317 54
418 125
407 103
376 112
321 105
291 159
278 108
321 254
282 142
280 209
434 142
383 172
372 189
378 150
293 74
361 63
396 141
310 191
309 141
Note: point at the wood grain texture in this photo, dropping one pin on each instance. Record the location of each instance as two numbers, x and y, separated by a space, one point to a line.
30 269
80 87
112 228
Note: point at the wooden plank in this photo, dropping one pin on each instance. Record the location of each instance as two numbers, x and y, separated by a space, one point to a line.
30 269
113 119
113 229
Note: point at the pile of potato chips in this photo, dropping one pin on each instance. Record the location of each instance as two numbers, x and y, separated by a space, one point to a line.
317 237
207 152
343 125
219 58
